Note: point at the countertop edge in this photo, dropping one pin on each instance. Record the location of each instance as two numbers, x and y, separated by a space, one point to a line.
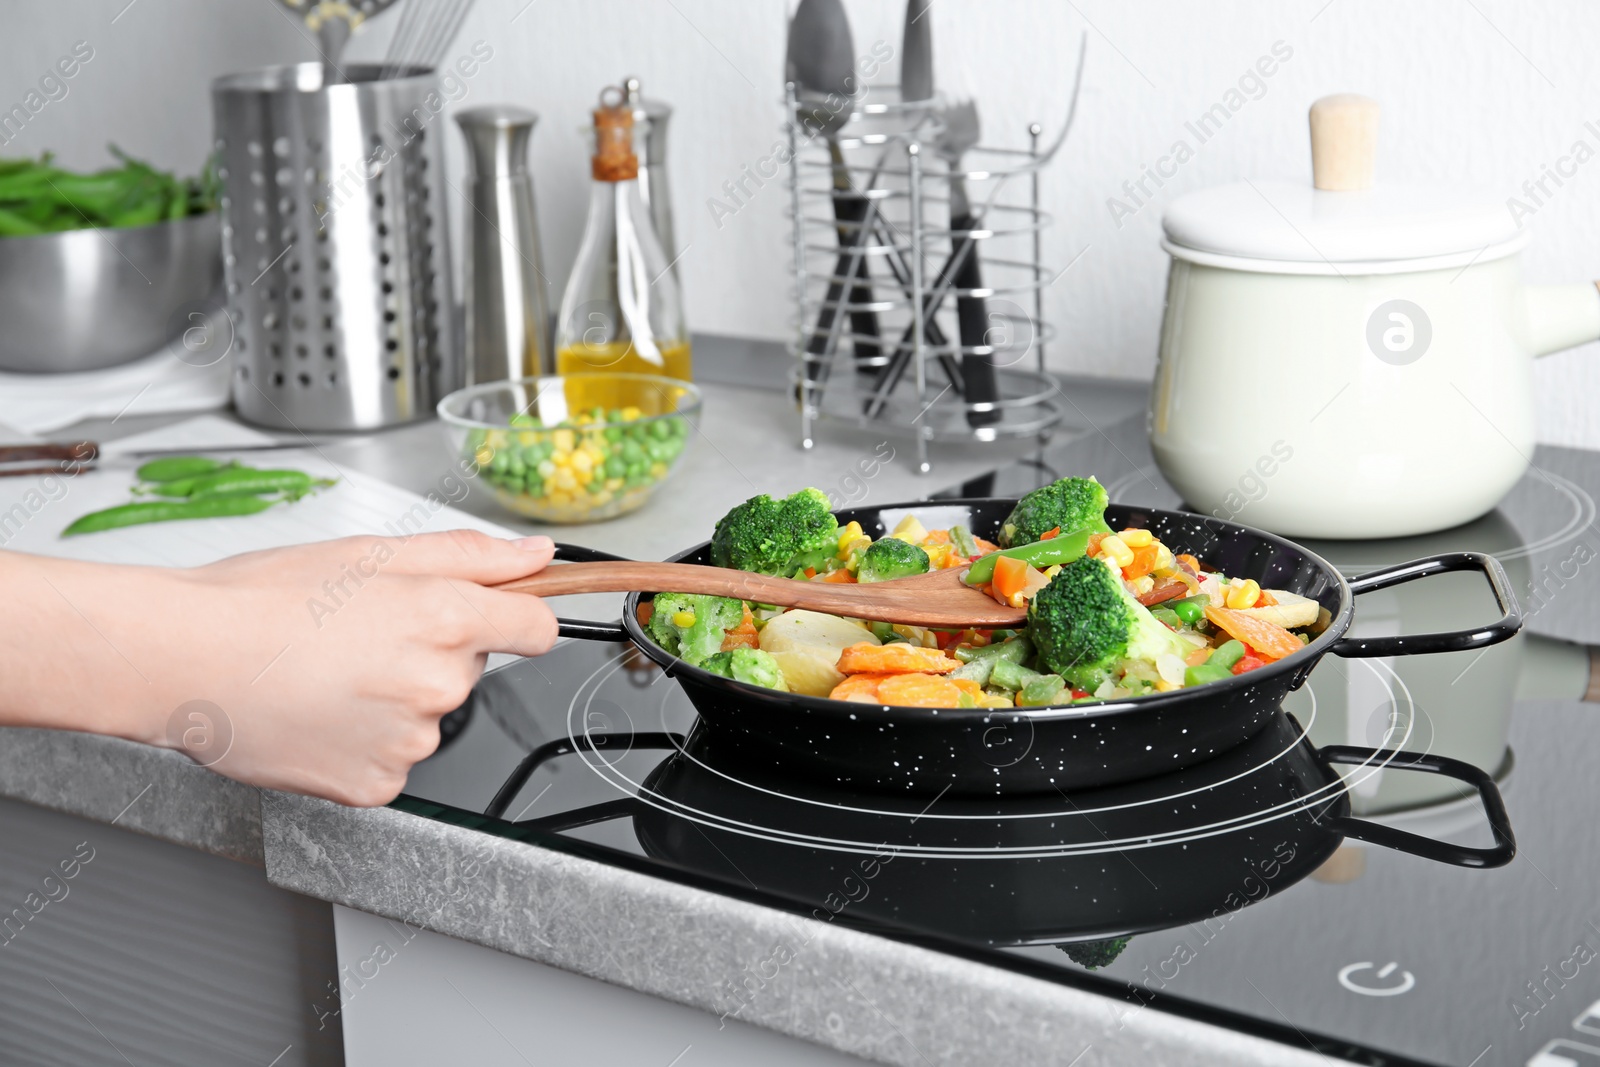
153 791
863 994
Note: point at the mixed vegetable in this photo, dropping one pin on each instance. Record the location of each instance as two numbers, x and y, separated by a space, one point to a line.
593 465
198 487
38 197
1111 614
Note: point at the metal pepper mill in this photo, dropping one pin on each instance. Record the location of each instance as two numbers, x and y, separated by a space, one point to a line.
508 320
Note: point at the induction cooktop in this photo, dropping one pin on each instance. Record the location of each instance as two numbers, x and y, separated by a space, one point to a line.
1251 891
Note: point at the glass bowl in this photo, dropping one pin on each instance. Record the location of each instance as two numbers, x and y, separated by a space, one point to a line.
572 448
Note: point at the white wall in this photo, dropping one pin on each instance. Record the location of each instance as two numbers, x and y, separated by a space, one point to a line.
1487 92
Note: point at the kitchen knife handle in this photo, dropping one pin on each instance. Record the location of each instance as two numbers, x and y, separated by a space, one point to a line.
14 459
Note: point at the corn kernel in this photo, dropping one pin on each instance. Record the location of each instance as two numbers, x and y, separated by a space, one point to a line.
582 477
565 480
851 531
564 440
630 413
1243 594
1164 686
909 529
1116 550
1136 538
683 619
557 498
582 462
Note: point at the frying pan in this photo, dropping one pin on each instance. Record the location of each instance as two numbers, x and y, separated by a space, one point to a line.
1188 846
1043 749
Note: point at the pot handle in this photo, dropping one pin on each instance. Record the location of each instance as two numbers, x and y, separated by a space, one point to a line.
1502 629
582 630
1494 808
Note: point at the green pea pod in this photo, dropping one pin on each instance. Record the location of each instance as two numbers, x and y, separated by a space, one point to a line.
962 538
166 511
1042 691
173 468
245 481
1063 548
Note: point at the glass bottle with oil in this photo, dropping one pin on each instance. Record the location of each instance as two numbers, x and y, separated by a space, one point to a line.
622 310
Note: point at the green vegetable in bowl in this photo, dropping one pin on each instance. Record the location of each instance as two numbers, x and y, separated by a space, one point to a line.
777 537
749 665
1068 505
1095 954
692 626
1085 622
891 558
38 197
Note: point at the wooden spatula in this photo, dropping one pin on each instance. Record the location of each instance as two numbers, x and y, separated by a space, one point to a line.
938 598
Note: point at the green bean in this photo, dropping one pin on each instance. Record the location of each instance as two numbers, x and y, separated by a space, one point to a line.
1042 691
1191 609
1016 651
172 468
1206 672
1227 654
1063 548
962 538
167 511
1013 676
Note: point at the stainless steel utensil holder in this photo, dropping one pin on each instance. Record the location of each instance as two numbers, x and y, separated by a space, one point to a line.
889 160
335 247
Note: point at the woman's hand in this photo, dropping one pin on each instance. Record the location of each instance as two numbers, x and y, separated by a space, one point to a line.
326 666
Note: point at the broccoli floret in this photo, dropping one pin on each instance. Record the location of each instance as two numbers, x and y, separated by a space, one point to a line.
778 537
889 558
1085 621
749 665
1072 504
691 626
1095 954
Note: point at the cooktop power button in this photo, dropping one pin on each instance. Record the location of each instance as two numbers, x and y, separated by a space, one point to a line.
1372 980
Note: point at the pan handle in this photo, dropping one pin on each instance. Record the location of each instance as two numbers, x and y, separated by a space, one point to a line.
582 630
1502 629
1494 808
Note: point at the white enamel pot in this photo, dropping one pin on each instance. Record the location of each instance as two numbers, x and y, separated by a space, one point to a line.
1353 361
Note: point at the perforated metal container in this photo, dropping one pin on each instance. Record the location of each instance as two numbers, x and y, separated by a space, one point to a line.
335 246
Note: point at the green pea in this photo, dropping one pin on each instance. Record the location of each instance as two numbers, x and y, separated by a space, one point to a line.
521 420
613 434
1190 609
616 467
516 467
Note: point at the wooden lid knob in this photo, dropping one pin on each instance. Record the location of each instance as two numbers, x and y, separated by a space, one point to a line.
1344 141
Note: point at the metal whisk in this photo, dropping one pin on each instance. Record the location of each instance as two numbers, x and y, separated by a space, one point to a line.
426 29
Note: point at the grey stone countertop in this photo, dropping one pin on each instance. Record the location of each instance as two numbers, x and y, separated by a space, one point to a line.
670 940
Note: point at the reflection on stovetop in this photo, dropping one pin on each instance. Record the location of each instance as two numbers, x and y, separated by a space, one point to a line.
1239 885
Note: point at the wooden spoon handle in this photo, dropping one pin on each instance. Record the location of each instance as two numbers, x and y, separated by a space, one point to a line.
20 459
627 576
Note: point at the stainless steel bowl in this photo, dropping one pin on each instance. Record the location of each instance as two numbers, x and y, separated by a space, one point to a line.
87 299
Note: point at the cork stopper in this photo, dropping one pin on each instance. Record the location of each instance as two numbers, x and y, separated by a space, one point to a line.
1344 142
614 158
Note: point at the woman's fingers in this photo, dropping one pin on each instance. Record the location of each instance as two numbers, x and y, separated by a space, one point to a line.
469 554
507 622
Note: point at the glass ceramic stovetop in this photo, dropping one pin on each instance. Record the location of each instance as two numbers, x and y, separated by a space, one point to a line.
1245 898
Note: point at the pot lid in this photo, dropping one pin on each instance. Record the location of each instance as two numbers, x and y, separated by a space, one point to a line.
1343 217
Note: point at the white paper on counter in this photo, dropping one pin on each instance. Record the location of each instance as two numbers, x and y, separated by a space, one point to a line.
157 383
34 509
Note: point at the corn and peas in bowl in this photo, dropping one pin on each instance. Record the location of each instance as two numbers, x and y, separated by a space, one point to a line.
571 449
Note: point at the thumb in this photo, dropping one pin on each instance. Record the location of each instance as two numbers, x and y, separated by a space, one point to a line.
469 555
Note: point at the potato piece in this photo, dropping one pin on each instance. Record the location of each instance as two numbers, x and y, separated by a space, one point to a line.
808 673
814 632
896 658
1292 611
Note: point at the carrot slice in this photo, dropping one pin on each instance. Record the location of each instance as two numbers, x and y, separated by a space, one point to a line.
1144 561
860 688
1010 575
985 547
1270 640
919 691
1050 534
896 658
839 577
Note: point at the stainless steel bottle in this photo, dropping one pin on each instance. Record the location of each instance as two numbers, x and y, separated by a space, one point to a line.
508 319
650 118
